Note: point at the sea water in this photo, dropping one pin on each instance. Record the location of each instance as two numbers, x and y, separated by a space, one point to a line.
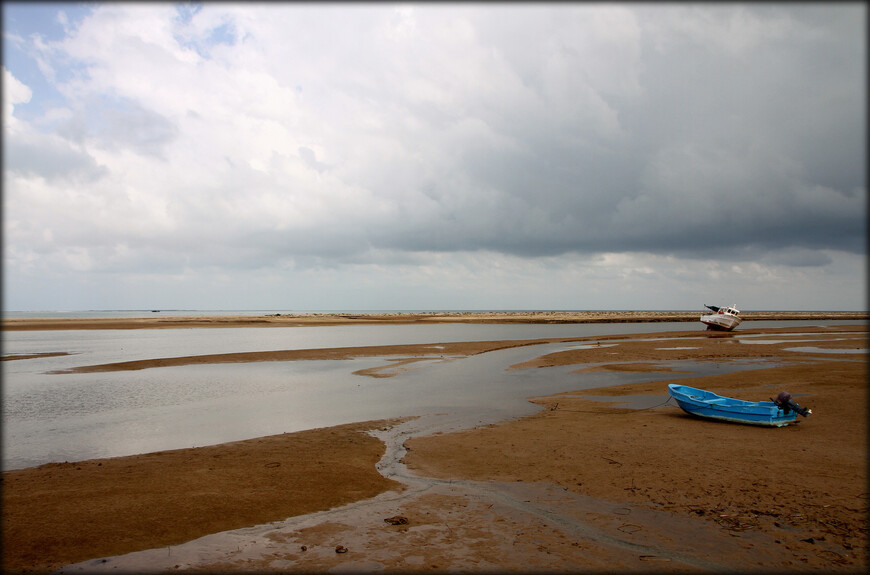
50 417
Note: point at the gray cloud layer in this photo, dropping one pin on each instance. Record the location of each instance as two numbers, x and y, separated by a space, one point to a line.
246 136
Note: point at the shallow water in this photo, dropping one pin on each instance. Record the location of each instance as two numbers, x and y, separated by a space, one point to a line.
68 417
811 349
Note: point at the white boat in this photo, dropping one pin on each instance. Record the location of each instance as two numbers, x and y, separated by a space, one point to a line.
722 318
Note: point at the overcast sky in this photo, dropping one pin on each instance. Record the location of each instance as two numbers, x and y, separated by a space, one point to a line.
434 156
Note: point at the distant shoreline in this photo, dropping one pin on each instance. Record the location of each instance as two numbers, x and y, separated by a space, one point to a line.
157 321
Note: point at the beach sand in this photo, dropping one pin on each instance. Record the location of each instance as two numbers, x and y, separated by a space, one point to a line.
581 485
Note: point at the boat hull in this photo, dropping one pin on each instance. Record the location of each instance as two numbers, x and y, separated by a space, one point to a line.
708 405
720 321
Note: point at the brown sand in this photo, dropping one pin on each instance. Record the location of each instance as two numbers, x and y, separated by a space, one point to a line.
62 513
793 497
805 484
416 351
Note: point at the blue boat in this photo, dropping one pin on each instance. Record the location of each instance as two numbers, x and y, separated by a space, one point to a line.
701 403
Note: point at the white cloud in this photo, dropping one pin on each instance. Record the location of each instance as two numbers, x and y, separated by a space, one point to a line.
296 137
14 92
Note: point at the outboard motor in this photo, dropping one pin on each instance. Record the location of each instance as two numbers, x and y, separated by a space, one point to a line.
786 403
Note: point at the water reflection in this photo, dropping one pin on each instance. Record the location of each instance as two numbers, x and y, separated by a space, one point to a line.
51 417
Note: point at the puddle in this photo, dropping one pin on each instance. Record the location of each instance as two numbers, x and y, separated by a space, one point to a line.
814 334
673 348
772 341
824 350
673 338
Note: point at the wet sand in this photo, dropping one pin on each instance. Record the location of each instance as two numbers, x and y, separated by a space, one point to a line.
581 485
61 513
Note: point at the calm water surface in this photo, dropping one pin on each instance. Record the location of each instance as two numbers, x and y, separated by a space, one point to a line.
68 417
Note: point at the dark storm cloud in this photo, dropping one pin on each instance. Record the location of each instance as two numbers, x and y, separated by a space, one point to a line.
755 141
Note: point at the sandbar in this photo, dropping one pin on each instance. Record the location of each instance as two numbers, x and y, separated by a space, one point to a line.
397 318
580 485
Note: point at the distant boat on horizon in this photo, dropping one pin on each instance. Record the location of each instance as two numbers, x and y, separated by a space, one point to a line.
722 318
